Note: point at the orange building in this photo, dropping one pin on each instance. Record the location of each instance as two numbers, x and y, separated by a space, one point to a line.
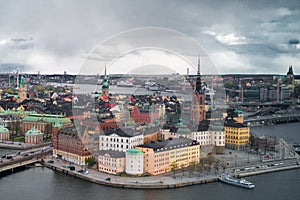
161 155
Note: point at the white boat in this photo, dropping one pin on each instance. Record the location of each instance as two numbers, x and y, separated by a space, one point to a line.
125 84
226 178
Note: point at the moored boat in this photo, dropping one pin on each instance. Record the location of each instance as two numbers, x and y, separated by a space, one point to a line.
226 178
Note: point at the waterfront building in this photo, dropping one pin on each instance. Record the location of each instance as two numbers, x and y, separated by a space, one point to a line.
68 146
236 134
4 133
111 162
34 136
161 155
118 140
134 162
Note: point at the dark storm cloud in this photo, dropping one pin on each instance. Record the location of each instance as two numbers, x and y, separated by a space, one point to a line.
63 31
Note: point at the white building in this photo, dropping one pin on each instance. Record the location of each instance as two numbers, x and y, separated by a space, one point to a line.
118 140
134 162
208 133
211 134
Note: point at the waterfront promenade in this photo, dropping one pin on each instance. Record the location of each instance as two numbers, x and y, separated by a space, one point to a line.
181 179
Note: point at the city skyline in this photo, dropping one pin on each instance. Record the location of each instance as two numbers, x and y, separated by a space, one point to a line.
239 37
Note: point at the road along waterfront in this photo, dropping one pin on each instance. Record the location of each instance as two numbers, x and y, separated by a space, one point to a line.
169 181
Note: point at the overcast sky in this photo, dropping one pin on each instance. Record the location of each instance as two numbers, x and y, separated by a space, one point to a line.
239 36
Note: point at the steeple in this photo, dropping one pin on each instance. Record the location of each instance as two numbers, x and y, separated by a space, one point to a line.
290 72
198 71
22 82
199 85
105 85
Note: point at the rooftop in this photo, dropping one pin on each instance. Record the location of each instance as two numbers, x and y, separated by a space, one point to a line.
134 151
33 131
3 129
111 153
175 143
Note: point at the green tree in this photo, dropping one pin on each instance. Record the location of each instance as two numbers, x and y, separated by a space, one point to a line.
174 167
90 161
192 168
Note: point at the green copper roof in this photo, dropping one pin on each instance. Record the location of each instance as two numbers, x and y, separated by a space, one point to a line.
22 81
57 122
134 151
17 112
3 129
33 131
238 111
105 85
46 118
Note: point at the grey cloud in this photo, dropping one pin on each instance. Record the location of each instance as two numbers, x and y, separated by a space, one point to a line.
68 29
294 41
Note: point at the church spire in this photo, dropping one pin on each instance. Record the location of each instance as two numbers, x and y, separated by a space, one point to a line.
198 71
199 86
105 84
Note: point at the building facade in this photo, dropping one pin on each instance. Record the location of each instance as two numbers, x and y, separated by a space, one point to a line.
34 136
68 146
4 133
43 122
111 162
161 155
118 140
134 162
236 134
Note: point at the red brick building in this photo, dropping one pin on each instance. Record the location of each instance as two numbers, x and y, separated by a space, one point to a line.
67 145
144 115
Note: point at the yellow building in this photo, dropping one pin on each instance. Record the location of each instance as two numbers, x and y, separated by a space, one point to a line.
161 155
236 134
111 162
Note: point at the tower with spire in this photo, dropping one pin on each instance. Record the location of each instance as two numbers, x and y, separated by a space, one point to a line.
22 91
198 112
105 85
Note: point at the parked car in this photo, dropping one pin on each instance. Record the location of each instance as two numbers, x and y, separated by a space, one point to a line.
50 161
71 167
